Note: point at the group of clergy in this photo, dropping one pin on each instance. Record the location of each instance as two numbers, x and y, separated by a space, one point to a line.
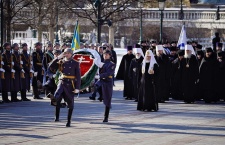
154 73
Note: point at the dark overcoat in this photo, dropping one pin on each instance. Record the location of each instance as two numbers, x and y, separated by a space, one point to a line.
66 86
106 81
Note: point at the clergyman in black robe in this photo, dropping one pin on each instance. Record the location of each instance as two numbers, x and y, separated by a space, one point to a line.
176 76
220 76
163 78
207 76
200 55
123 73
190 73
135 71
147 98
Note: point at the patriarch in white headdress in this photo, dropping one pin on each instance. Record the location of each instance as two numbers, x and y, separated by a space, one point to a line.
189 50
160 50
149 58
138 52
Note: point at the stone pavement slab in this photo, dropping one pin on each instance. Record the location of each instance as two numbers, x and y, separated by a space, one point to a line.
176 123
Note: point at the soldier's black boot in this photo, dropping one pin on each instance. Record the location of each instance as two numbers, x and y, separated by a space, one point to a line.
93 95
24 96
106 114
57 111
36 93
14 97
70 112
5 97
53 99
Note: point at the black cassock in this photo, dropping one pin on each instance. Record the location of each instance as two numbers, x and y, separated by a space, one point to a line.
147 98
220 79
123 74
207 79
163 78
176 75
190 74
135 75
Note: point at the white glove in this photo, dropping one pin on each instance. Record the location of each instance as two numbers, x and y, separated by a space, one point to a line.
31 62
21 62
13 71
77 91
35 74
61 56
101 64
31 71
23 71
2 70
151 71
54 76
97 77
12 63
2 62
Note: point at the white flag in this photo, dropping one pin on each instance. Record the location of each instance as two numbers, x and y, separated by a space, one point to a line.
182 39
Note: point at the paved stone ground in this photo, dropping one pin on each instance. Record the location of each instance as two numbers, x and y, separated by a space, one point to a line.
175 123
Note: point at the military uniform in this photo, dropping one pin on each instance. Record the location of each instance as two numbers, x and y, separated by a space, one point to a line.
37 58
8 86
69 82
27 67
106 83
17 80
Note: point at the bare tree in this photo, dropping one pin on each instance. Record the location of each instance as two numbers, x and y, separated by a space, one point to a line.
107 10
11 9
45 15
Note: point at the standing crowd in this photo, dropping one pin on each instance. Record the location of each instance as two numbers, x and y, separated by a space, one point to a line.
154 73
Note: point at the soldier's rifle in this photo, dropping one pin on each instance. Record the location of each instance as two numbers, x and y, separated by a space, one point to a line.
2 73
21 65
12 65
30 63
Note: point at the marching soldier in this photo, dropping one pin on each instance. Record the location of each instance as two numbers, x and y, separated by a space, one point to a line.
47 58
19 73
27 67
9 72
106 82
69 82
37 58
